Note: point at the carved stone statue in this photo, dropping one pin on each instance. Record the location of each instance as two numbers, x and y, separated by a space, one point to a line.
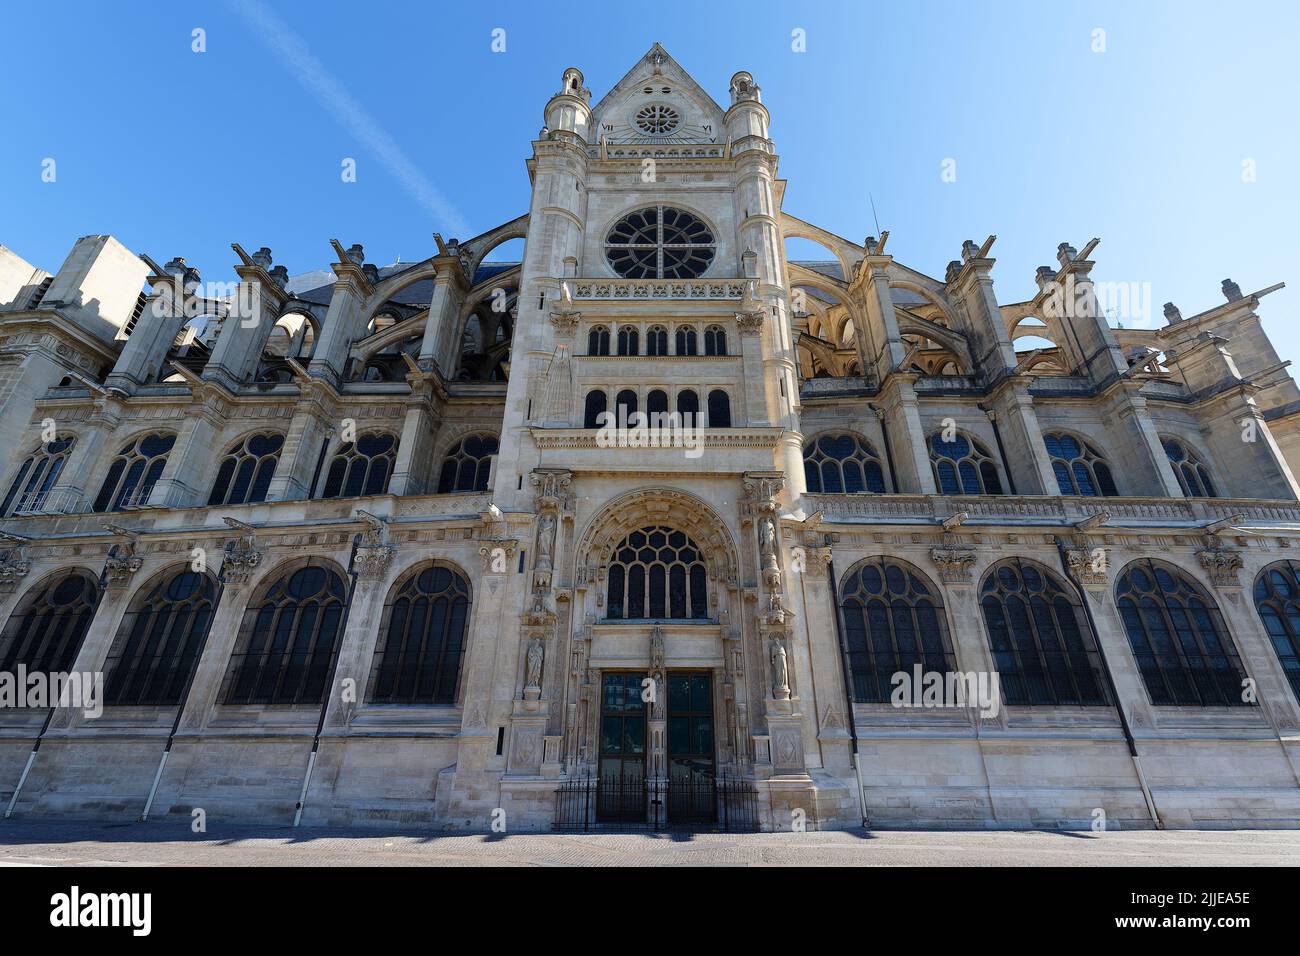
533 674
545 542
767 542
780 670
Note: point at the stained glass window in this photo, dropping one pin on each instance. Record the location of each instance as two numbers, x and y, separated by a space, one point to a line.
1179 640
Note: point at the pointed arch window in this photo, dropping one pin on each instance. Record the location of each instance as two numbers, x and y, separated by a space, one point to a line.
159 642
422 639
688 340
598 340
45 631
362 468
715 340
468 464
1080 469
656 340
719 409
628 341
245 473
657 573
1192 474
1181 644
963 466
133 472
288 641
1043 648
1277 599
893 620
842 463
36 476
593 408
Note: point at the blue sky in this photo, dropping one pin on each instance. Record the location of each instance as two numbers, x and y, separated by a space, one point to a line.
181 153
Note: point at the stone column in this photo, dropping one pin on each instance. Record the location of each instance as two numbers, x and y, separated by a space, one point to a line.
241 559
316 421
81 478
245 330
343 322
163 316
414 470
371 560
440 328
187 479
902 417
808 565
1014 417
119 577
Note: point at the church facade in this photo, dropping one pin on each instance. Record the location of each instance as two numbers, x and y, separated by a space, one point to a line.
656 526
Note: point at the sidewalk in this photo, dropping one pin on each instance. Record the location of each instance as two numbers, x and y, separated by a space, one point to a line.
44 843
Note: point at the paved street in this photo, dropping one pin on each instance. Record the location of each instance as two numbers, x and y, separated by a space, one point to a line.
31 843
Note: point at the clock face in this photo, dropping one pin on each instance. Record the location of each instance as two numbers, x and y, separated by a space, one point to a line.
657 119
656 122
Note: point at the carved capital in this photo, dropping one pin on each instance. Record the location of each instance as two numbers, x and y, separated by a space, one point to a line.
241 555
497 554
14 566
565 322
761 489
749 323
954 564
552 486
1222 565
1088 566
120 565
374 553
371 563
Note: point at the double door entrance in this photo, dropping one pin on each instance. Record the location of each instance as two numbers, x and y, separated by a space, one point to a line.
625 790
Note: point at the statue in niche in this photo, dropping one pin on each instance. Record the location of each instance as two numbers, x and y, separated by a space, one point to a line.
780 670
533 674
767 543
545 542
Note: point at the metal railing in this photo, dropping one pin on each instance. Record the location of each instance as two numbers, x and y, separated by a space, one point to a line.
51 501
589 803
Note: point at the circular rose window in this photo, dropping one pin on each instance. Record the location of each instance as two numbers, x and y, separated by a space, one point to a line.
657 119
659 243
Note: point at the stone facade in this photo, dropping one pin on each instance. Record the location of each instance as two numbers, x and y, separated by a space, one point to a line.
432 357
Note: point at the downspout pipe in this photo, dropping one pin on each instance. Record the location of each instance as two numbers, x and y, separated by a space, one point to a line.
848 693
185 698
329 692
1110 684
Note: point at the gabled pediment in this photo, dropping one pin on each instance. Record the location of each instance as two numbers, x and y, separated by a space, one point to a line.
657 102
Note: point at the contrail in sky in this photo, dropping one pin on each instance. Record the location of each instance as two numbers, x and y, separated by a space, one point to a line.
334 97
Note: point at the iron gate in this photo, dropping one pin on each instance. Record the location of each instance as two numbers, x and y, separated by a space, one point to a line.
587 803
